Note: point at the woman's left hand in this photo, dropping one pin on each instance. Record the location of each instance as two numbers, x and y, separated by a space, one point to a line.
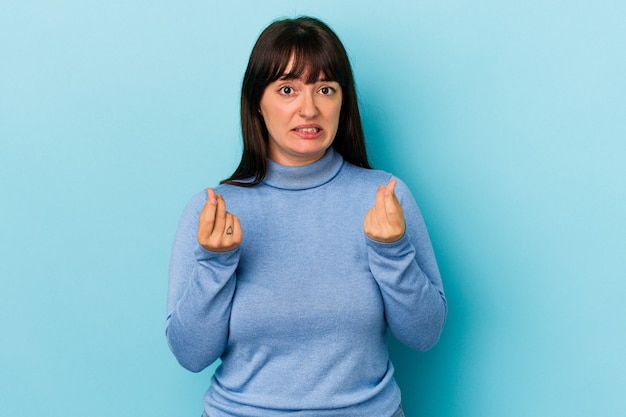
385 221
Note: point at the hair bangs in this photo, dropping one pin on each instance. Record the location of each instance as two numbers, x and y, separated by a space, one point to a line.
309 58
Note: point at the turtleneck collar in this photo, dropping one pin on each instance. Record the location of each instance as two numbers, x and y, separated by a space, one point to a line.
304 177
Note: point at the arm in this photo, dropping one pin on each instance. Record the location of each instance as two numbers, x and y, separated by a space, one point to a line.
202 282
403 263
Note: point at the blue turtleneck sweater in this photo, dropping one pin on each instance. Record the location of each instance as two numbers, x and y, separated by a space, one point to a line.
298 313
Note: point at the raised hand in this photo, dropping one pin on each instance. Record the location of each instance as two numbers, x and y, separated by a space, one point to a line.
218 230
385 221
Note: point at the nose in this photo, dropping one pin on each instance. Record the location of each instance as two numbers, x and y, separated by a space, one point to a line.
308 108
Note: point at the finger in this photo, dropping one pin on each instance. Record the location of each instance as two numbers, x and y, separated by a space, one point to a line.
237 234
392 205
220 217
380 212
393 212
207 215
212 198
229 225
232 234
389 189
393 208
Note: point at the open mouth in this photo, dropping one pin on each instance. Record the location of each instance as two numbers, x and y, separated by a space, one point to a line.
308 130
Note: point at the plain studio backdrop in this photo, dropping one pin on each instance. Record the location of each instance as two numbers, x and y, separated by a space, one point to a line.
506 119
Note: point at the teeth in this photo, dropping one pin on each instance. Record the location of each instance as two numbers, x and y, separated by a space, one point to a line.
308 130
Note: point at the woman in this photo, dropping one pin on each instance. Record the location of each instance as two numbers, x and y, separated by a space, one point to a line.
294 268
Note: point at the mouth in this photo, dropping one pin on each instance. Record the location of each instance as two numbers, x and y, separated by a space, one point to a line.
307 130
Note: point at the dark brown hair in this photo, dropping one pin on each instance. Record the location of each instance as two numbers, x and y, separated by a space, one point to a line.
315 50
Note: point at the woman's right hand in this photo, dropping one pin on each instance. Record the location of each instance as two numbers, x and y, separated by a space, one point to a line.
218 230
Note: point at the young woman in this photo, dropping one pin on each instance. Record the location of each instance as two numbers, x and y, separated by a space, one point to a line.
292 270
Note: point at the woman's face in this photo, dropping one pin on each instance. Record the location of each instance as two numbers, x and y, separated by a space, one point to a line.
301 119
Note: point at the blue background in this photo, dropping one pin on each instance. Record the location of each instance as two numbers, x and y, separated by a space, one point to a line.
506 119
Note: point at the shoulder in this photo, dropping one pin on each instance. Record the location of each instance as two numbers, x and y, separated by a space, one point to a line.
194 205
200 197
373 178
354 172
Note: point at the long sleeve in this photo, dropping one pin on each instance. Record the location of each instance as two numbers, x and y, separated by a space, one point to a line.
299 313
200 292
407 274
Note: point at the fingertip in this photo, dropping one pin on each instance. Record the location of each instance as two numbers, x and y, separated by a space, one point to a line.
221 204
211 196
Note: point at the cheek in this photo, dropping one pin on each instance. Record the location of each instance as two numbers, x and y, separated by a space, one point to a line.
276 114
337 113
338 106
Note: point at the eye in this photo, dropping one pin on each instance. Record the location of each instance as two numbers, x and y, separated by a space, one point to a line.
327 91
286 90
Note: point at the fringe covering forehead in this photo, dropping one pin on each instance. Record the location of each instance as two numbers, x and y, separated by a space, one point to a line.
307 59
